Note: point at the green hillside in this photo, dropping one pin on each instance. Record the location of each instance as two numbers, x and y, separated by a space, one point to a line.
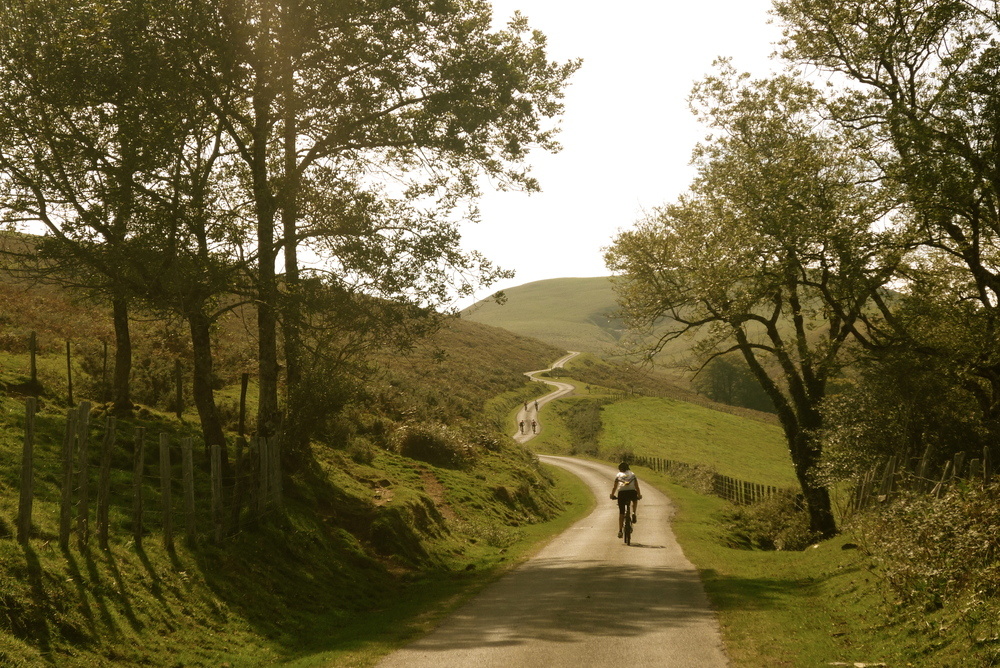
572 313
413 500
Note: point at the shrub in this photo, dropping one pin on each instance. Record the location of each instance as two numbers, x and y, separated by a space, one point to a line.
934 551
777 523
493 533
434 444
361 450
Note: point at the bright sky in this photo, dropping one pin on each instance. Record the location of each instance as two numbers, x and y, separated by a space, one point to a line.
627 132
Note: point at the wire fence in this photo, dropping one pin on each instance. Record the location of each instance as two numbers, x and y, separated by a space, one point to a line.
917 476
737 491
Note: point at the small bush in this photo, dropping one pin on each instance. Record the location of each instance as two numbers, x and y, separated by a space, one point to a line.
434 444
933 551
493 533
361 451
777 523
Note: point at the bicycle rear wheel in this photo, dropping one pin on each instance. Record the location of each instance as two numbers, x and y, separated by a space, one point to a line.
627 535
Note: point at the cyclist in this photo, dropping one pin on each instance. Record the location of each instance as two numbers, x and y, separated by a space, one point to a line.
627 487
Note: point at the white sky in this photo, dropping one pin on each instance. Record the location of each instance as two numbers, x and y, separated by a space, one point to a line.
627 132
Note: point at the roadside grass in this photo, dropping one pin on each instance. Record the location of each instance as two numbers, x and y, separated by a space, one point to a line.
324 576
795 609
368 637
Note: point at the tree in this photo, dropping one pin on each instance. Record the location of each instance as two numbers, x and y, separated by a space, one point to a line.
319 96
729 380
122 172
922 74
75 157
772 254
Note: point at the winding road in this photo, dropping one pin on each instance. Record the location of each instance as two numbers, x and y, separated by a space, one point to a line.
586 599
530 410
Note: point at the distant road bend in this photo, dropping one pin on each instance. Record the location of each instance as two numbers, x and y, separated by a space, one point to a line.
530 410
586 600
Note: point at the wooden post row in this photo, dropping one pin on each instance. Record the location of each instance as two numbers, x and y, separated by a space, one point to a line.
83 484
66 503
32 353
187 461
238 485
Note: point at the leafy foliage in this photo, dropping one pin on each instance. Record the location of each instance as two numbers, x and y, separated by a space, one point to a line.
729 381
434 444
778 523
942 554
773 254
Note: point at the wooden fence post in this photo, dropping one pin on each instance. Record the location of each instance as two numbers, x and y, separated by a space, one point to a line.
69 374
959 467
104 488
975 472
166 503
887 479
923 482
244 382
66 503
217 491
27 471
179 380
139 465
946 476
265 474
187 466
239 486
32 353
83 451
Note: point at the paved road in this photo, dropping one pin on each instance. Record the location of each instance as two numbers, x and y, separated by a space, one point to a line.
529 412
586 600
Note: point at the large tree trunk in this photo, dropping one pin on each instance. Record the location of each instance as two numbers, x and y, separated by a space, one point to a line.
268 417
799 417
295 445
805 458
121 387
204 378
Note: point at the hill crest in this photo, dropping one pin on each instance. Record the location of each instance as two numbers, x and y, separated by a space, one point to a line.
571 313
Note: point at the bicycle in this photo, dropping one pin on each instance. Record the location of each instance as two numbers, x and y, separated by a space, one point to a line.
627 525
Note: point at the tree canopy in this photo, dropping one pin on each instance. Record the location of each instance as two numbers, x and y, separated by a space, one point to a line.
775 252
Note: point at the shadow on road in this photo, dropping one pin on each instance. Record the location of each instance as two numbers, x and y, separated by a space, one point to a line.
558 601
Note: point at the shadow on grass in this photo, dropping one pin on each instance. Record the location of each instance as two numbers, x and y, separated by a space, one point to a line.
38 627
729 592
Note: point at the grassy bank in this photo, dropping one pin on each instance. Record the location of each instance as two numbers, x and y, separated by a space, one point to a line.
429 599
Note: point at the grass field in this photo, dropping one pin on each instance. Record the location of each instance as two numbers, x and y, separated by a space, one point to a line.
732 445
575 313
795 609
